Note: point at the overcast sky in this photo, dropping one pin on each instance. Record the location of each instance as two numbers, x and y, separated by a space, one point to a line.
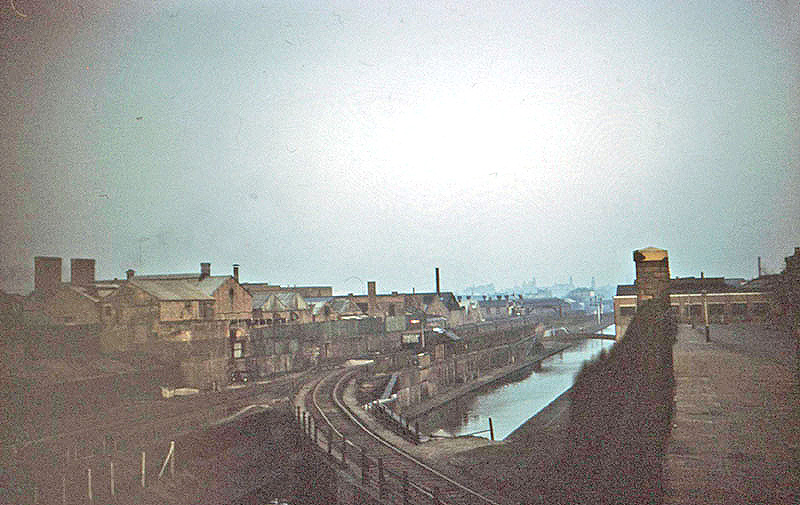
335 143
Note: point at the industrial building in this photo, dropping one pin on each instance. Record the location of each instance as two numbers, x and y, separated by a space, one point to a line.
695 300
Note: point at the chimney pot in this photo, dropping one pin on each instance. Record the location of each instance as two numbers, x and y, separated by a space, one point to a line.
372 299
129 273
205 270
236 272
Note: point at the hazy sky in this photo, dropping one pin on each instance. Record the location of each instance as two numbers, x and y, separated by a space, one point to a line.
339 142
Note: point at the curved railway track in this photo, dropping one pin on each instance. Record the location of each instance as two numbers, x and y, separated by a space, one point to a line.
394 474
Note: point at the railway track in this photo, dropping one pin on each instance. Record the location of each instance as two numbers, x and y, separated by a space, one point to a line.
394 474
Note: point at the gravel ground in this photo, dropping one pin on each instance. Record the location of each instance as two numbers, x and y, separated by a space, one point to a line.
736 430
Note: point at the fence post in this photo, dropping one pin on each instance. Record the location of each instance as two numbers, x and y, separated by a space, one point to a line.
344 450
172 461
316 434
491 429
364 476
330 441
405 488
64 489
89 486
144 460
381 490
111 465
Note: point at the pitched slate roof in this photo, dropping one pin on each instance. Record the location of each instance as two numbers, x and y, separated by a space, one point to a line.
180 286
344 305
292 301
277 302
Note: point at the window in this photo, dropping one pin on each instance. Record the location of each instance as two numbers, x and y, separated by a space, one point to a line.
238 350
206 310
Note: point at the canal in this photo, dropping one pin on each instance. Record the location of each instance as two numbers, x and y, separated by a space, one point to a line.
511 402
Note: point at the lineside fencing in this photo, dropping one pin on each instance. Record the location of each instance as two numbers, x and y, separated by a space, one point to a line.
382 484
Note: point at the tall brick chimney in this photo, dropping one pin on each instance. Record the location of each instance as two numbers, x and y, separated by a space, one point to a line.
652 273
438 293
46 274
81 271
372 298
129 273
236 272
205 270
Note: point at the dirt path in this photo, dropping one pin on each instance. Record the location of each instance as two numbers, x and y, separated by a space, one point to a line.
736 430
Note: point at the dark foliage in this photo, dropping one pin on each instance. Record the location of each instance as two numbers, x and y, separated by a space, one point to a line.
620 416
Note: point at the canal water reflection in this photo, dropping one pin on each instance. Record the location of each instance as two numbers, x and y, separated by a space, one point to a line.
511 402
